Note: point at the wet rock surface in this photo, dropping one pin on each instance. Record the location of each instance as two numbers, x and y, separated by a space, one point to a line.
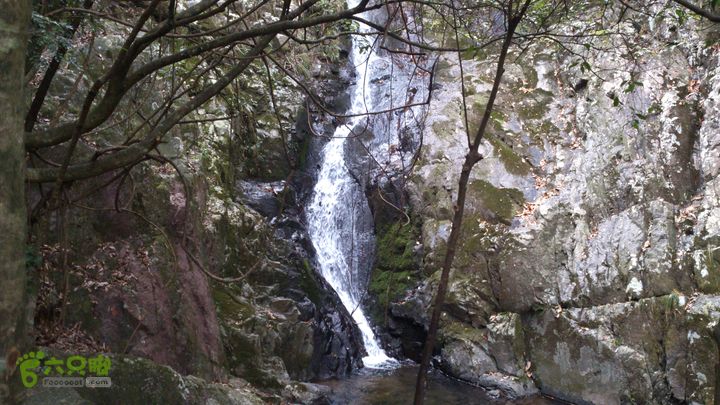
285 322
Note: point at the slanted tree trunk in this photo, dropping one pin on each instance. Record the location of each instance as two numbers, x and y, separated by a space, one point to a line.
710 15
14 27
513 16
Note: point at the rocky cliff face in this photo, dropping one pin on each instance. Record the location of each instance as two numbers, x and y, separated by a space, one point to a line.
200 264
589 257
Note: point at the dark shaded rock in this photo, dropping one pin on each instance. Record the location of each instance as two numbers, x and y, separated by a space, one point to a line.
580 85
407 336
380 79
269 199
407 324
287 322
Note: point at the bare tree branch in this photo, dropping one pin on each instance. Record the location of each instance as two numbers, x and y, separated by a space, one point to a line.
699 10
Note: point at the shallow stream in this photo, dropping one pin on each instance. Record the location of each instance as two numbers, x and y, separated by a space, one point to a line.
397 387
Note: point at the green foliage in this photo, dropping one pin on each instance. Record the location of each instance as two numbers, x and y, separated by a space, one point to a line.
50 33
671 301
540 7
229 306
681 15
48 25
585 66
631 85
653 110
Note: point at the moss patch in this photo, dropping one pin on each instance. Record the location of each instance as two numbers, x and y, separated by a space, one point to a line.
476 105
309 284
443 70
444 129
512 161
454 330
503 203
531 76
388 286
535 105
396 269
395 246
476 240
229 306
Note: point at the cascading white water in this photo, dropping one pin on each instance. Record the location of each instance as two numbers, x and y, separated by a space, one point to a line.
331 213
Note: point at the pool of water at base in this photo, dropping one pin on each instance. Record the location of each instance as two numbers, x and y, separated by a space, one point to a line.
397 387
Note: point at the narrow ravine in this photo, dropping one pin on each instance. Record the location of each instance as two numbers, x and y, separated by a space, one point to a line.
331 214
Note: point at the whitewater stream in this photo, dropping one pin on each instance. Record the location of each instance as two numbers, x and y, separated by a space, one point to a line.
332 212
338 216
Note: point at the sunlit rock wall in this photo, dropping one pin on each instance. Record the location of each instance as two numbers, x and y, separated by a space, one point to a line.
592 223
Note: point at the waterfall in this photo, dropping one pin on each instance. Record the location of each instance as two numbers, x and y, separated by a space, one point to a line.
332 213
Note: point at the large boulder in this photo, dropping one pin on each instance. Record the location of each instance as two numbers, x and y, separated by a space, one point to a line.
655 350
492 357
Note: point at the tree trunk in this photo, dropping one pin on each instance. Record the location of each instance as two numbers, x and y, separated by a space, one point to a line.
699 10
471 159
14 27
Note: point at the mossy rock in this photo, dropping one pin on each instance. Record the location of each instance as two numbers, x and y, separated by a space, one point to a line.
443 70
397 267
269 162
706 268
477 237
444 129
229 305
476 105
460 331
244 357
395 243
513 162
388 286
141 381
309 284
502 203
297 350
